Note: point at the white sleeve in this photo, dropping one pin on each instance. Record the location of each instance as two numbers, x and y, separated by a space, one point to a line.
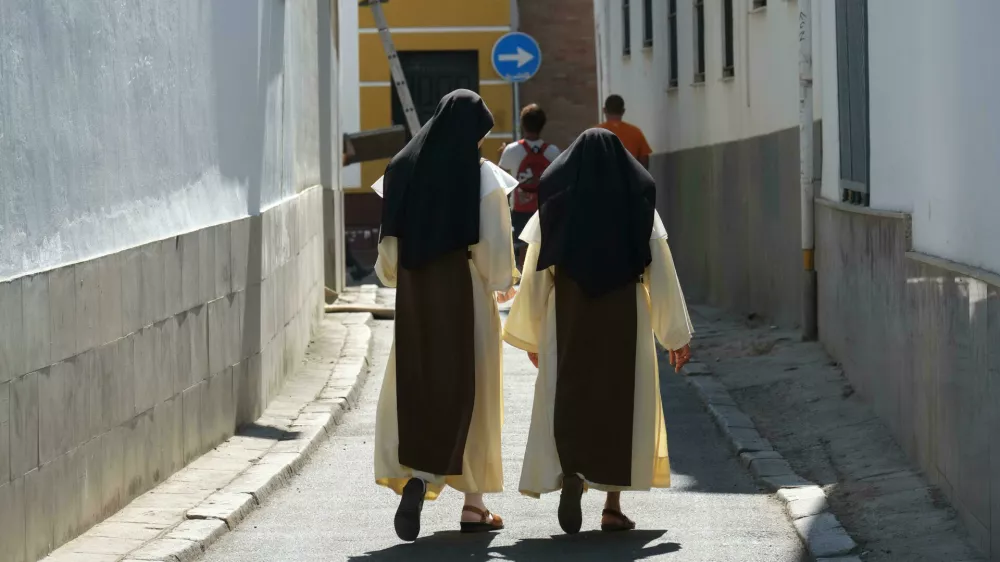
508 160
552 152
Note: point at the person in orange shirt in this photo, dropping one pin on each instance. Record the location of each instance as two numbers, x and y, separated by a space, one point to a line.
630 135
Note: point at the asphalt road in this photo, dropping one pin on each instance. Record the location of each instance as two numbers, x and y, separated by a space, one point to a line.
332 510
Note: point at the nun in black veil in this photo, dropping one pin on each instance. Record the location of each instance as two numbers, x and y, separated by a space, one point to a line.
599 283
446 247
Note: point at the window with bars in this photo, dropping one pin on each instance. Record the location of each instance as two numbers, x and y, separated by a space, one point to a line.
647 23
672 30
699 39
852 100
626 28
729 62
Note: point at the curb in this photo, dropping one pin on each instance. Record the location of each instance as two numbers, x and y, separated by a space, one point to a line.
805 502
180 518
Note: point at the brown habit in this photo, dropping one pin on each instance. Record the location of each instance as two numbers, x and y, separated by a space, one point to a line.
435 363
596 382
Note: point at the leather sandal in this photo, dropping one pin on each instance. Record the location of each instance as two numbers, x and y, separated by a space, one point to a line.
407 521
570 515
485 523
621 523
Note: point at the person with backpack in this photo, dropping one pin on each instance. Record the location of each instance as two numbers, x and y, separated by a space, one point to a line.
526 160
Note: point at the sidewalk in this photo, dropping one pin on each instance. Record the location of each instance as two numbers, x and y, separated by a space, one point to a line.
802 403
333 511
177 519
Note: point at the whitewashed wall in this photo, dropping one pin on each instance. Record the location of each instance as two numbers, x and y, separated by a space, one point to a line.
350 83
126 122
761 99
935 123
143 315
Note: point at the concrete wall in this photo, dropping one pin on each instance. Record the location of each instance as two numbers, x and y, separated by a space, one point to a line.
918 337
732 211
116 372
907 302
166 264
761 98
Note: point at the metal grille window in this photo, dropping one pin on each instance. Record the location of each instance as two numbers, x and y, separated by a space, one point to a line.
647 23
626 28
672 29
699 38
729 64
852 99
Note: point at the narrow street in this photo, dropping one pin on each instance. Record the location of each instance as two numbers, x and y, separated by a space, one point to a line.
332 510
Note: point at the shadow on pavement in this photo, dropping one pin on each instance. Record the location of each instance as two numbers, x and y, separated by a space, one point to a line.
265 432
441 546
446 546
590 545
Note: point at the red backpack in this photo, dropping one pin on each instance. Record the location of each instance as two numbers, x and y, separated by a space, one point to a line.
532 166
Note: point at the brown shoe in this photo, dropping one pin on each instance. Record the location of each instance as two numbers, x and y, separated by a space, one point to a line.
621 523
485 523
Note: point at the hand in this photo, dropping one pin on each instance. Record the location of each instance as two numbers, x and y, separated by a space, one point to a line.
680 357
503 145
534 358
504 297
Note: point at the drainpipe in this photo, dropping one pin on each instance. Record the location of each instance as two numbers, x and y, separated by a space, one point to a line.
809 324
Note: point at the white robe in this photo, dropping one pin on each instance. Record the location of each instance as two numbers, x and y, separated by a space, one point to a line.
493 269
531 326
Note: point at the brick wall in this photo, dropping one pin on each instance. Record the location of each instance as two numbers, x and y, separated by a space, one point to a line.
566 84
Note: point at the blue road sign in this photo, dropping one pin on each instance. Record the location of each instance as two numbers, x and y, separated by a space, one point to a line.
516 57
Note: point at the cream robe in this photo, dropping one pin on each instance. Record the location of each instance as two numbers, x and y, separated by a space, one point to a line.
493 269
531 326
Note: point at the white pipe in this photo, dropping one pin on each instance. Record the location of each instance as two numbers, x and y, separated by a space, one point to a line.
806 121
806 167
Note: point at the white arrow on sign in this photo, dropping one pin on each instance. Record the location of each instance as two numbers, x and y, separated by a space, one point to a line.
522 57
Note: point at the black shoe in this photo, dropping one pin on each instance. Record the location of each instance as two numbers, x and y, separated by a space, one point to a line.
570 515
410 505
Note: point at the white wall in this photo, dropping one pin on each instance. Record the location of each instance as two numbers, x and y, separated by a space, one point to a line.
934 120
126 122
350 83
761 99
935 123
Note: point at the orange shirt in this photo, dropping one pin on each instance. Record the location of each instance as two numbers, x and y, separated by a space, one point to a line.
631 137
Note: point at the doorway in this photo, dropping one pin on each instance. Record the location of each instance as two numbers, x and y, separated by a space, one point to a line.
431 75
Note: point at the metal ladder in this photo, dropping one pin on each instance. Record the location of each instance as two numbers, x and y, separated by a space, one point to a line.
398 78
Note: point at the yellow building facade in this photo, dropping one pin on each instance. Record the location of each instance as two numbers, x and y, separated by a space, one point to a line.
442 44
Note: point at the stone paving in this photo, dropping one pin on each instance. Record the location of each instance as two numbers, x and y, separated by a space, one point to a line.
804 408
332 510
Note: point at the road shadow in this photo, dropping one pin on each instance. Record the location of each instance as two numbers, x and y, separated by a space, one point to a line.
439 547
590 545
446 546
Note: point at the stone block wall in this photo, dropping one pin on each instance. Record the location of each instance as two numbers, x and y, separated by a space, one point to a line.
116 372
